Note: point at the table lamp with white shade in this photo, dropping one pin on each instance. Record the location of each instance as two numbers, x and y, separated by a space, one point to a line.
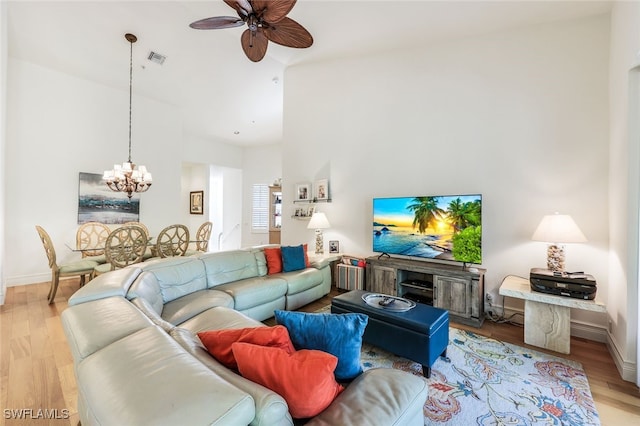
319 222
557 229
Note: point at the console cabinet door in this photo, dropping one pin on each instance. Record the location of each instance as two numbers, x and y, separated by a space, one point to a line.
381 280
453 294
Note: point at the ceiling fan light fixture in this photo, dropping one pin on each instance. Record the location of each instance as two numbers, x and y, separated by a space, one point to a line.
266 21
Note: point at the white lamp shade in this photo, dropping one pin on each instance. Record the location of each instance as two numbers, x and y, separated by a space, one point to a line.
318 221
558 228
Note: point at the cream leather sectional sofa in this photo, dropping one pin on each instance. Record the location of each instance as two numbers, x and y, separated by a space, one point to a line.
138 360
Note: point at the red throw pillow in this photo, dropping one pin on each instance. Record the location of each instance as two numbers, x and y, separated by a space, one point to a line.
304 378
274 260
306 256
218 342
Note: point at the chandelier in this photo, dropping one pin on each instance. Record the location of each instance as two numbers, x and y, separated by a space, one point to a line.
127 177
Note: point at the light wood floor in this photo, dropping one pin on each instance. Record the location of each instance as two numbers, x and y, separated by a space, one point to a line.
36 368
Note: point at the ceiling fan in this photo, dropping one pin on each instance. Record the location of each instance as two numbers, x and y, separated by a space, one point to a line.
267 21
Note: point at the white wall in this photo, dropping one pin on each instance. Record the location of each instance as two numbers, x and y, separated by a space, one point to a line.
624 184
261 165
58 126
4 30
520 116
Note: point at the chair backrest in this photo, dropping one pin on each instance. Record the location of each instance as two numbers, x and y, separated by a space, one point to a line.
92 235
125 246
203 235
140 224
173 241
48 246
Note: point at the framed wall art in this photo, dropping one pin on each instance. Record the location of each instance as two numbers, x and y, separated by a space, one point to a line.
303 192
97 203
196 202
321 189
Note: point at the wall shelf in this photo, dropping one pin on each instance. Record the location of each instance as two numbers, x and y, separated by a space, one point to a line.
312 201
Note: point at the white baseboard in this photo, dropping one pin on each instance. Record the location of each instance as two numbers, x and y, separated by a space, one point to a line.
28 279
587 331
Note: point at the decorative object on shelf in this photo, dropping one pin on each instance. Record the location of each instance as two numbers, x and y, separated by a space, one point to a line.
196 202
277 182
266 21
319 222
303 192
556 229
126 177
321 190
334 246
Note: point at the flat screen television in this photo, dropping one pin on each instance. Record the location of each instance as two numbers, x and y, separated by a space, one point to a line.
443 227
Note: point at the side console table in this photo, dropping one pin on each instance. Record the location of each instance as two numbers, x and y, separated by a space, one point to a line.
459 291
547 318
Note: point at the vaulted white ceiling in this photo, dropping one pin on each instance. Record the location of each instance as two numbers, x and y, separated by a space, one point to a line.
223 95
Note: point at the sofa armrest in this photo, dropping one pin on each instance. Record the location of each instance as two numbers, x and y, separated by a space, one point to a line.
404 398
114 283
319 263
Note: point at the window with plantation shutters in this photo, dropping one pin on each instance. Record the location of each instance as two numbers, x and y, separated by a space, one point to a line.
260 209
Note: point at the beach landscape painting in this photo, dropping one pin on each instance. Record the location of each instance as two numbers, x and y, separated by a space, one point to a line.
435 227
97 203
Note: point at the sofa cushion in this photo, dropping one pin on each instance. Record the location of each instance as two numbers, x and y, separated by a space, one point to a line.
219 318
147 378
147 287
177 276
300 281
274 259
337 334
94 325
292 258
403 396
230 266
218 342
115 283
271 408
186 307
304 378
255 291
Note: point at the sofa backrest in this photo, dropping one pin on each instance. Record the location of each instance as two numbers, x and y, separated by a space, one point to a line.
175 277
228 266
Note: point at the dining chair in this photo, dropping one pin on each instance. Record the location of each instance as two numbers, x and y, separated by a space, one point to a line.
172 241
79 268
202 239
124 246
149 252
90 239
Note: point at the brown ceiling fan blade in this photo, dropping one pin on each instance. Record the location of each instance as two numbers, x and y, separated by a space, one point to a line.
273 11
289 33
217 22
243 7
254 45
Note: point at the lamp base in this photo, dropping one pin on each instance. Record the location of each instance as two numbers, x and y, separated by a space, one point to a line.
555 257
319 242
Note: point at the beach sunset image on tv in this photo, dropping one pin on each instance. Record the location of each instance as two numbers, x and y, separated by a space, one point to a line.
437 227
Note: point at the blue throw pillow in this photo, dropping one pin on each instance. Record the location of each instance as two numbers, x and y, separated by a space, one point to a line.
292 258
337 334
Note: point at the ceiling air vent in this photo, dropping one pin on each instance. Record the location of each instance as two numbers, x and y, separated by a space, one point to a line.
156 57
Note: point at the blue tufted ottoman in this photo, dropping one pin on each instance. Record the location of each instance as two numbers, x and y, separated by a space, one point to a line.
420 334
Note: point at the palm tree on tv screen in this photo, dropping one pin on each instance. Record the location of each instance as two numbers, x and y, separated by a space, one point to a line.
463 215
426 212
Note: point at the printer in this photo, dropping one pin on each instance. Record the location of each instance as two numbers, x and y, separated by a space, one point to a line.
570 284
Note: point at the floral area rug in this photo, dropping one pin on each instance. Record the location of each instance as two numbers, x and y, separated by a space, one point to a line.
488 382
